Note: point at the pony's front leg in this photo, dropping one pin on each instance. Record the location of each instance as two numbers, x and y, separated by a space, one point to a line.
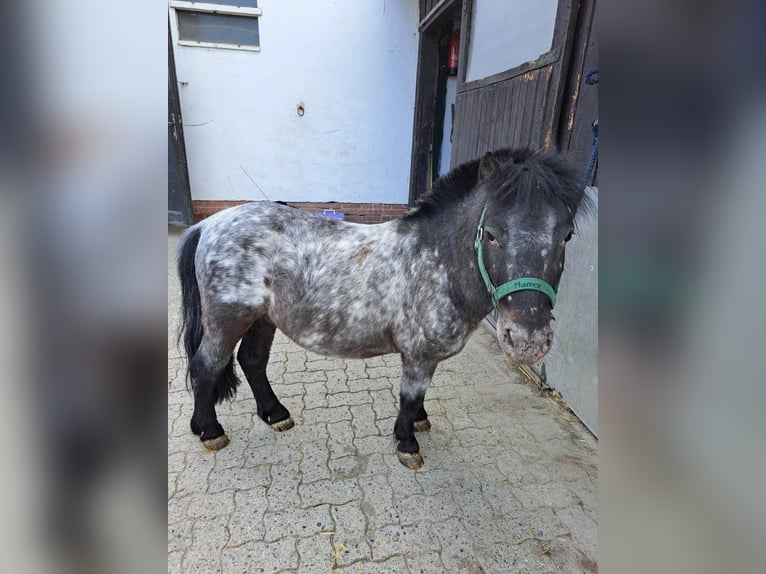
416 376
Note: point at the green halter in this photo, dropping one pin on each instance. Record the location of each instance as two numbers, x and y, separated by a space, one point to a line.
520 284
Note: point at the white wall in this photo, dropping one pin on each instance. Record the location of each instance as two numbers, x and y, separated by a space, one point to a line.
352 63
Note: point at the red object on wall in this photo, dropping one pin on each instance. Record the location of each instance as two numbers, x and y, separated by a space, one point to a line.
454 53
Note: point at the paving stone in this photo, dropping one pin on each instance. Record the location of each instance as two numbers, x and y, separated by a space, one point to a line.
375 361
210 505
457 546
354 398
529 557
356 370
239 478
370 465
380 384
326 415
244 403
374 444
175 559
176 461
325 364
552 494
292 390
568 468
260 557
300 378
390 566
350 526
346 466
385 426
403 480
435 480
476 511
246 522
314 399
397 540
336 491
363 422
180 535
296 362
263 455
232 456
424 563
341 439
418 508
283 491
177 507
172 477
316 554
174 418
337 382
178 396
204 554
582 527
384 403
378 501
297 522
384 371
585 494
314 466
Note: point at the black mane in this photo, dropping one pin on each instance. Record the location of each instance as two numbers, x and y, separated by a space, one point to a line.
520 176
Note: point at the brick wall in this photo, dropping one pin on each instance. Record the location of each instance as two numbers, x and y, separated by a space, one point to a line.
356 212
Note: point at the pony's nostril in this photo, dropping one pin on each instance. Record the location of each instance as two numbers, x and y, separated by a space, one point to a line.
507 337
549 339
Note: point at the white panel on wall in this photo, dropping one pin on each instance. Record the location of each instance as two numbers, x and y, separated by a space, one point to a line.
446 146
507 33
572 364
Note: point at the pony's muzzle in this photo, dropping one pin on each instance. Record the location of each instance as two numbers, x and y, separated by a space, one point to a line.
524 345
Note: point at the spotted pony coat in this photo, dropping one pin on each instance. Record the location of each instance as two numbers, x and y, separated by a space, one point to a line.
410 286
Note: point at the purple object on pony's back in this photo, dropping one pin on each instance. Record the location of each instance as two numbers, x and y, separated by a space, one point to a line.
331 214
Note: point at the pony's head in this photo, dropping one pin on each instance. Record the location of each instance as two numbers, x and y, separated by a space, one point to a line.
527 219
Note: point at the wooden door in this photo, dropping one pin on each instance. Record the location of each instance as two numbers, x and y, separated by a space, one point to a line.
179 193
519 106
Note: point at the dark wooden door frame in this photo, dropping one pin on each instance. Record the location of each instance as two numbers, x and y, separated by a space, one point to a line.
580 107
179 190
425 97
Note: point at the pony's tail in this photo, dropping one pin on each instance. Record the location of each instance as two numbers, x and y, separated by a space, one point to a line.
191 313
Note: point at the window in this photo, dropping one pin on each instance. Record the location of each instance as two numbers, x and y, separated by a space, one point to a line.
508 33
229 24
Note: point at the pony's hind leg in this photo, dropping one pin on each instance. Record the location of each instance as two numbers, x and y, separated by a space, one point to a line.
210 368
253 356
416 376
213 378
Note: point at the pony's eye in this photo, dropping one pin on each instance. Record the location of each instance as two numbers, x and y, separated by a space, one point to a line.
568 237
490 238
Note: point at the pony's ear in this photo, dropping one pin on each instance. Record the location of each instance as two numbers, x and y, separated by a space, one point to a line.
487 165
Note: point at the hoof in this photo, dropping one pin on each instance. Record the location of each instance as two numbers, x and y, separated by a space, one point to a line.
216 443
424 425
284 425
411 460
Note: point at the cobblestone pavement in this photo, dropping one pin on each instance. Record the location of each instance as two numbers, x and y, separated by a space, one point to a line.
508 485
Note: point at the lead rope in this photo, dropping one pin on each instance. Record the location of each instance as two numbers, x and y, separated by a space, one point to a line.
591 79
